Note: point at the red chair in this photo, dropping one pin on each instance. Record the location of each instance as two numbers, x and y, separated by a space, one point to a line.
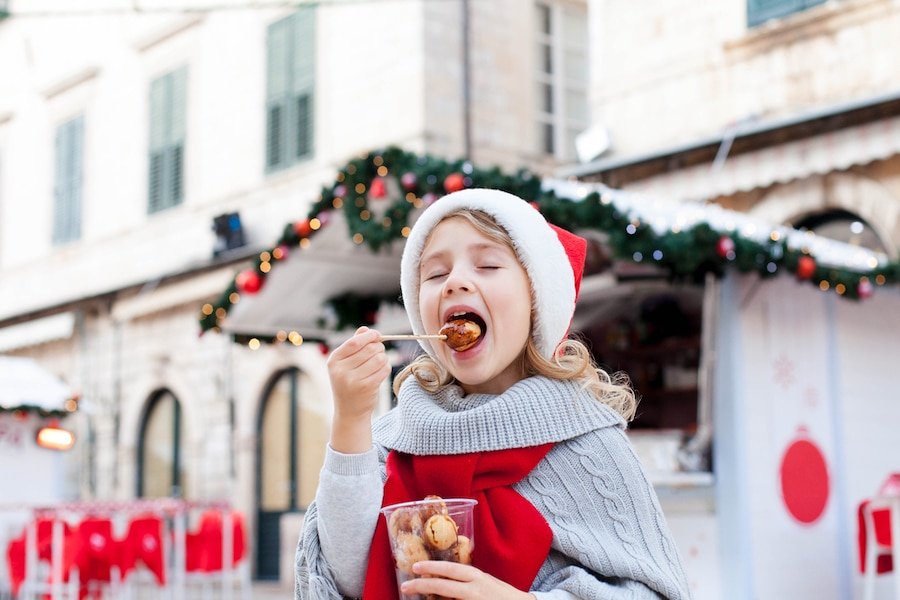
204 548
879 535
15 562
143 545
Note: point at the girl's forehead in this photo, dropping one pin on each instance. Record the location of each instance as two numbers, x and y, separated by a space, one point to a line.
457 232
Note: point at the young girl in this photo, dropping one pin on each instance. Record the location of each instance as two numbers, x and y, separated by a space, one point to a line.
522 421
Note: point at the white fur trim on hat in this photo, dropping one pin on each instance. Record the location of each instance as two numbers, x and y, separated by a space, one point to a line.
537 247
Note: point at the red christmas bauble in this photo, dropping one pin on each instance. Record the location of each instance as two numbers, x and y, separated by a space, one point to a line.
324 349
864 289
454 182
377 189
804 480
725 247
302 228
249 281
409 181
806 267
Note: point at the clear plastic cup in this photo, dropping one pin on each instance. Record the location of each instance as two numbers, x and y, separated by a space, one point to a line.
430 529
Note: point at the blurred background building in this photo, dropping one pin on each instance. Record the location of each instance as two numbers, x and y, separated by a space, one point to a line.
151 150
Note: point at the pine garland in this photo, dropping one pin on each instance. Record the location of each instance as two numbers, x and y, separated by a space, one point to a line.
686 254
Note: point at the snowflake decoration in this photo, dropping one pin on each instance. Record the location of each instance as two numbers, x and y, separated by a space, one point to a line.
784 371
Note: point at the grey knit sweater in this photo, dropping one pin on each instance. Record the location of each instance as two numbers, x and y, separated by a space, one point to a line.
610 538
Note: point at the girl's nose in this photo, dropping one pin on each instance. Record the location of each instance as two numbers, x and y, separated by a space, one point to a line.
456 283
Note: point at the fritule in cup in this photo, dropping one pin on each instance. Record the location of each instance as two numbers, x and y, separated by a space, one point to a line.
431 529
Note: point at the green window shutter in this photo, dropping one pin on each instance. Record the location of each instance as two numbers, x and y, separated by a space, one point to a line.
277 86
290 72
68 176
303 80
760 11
168 104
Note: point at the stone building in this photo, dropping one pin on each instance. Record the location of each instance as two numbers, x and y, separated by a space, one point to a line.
129 131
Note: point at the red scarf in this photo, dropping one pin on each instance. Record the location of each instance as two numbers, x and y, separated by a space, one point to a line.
512 539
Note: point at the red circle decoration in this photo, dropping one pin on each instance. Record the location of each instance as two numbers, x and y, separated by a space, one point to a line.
805 483
454 182
378 189
249 281
864 289
302 228
725 247
409 181
806 267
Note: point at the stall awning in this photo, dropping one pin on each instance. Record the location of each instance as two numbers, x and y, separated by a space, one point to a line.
25 384
791 161
296 291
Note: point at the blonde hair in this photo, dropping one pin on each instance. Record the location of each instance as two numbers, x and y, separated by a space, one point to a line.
571 362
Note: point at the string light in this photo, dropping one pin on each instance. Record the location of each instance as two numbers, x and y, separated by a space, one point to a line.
281 336
221 313
351 169
880 279
364 215
304 243
378 161
824 285
315 223
840 289
405 231
774 236
357 238
337 203
265 267
264 256
253 344
234 297
360 188
278 253
382 171
207 309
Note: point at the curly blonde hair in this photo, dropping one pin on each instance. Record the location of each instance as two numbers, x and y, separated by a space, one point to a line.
571 362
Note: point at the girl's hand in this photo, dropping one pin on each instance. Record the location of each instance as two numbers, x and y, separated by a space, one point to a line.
464 582
357 369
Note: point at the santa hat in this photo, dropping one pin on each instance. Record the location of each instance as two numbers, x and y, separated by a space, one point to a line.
552 257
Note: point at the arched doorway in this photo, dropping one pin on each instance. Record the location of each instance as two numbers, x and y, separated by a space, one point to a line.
292 431
843 226
160 458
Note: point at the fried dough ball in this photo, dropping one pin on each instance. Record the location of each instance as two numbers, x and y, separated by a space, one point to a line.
461 334
409 550
404 520
440 532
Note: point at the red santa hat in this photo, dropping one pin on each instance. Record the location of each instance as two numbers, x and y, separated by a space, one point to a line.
552 257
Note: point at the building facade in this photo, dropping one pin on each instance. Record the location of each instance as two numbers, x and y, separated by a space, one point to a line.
147 155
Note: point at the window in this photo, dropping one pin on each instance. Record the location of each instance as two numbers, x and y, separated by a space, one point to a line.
760 11
160 459
290 81
561 78
68 176
168 98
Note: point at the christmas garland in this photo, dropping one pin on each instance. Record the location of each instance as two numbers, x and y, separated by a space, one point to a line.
687 254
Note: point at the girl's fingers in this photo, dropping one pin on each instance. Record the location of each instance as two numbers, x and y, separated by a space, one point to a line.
444 568
364 337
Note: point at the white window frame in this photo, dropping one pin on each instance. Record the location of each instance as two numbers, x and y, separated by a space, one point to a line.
561 86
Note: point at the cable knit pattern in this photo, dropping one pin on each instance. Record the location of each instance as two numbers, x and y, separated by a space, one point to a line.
610 540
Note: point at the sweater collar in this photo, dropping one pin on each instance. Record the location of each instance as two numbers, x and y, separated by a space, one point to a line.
535 410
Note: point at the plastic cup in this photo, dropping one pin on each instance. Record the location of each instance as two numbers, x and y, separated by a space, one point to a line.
430 529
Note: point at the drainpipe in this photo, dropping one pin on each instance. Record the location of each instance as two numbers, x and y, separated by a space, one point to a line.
466 83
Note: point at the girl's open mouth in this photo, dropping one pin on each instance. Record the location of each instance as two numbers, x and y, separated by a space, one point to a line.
464 331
